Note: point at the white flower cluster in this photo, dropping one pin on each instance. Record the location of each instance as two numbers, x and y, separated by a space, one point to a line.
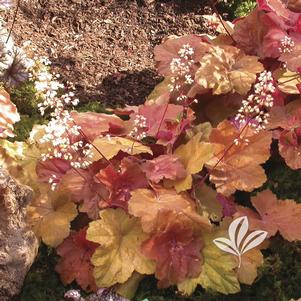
256 107
49 88
60 133
181 69
53 181
138 132
66 141
286 45
65 137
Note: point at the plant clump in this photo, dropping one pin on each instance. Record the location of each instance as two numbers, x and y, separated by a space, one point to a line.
155 190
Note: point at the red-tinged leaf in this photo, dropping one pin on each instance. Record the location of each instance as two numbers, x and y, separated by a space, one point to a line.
165 122
285 117
255 222
83 188
175 248
52 170
288 119
290 147
279 11
292 58
74 264
8 115
299 87
249 33
258 33
95 124
297 25
272 42
167 51
121 183
279 97
227 203
276 6
273 215
165 166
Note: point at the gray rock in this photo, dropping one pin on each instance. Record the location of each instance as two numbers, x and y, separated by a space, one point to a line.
18 244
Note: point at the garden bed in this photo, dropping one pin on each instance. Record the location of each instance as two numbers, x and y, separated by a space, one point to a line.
105 47
203 130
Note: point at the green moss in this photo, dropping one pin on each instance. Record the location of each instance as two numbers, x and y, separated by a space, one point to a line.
244 8
283 181
92 106
24 126
236 8
42 283
25 98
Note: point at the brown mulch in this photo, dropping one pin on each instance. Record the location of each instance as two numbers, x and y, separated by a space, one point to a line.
105 47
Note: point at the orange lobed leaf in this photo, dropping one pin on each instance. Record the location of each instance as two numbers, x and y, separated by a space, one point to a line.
147 204
81 185
290 147
119 255
120 184
50 215
164 167
249 32
168 50
95 124
292 59
273 215
288 119
237 167
280 116
193 155
8 115
226 69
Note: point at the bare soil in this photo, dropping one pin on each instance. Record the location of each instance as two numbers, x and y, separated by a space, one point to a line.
105 47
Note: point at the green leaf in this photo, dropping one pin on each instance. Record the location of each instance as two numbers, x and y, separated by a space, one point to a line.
218 271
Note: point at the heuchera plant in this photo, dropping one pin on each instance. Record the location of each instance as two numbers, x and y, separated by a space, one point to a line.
147 189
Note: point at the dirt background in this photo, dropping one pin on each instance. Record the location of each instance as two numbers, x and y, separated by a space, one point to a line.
105 47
